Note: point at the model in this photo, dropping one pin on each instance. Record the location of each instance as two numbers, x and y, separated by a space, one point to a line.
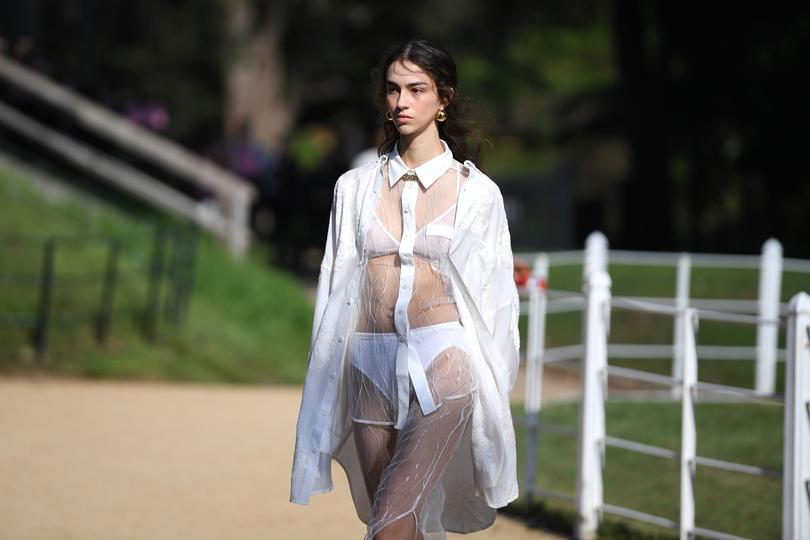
415 339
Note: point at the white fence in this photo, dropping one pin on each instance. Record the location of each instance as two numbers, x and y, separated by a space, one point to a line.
771 265
594 351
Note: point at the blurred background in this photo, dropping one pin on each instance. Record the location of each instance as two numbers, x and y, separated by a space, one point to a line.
166 167
666 126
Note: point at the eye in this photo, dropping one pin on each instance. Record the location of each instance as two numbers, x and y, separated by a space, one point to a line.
392 89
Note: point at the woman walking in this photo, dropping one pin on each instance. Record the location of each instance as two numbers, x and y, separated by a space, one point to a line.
414 340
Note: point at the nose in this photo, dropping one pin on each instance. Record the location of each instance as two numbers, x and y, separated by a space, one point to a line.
402 101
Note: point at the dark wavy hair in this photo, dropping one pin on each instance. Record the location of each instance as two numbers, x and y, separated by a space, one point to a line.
438 63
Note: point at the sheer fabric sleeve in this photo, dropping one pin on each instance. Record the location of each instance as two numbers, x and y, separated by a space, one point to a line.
503 301
324 288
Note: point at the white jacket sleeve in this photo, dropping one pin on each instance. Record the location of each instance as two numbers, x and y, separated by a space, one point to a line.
324 288
504 293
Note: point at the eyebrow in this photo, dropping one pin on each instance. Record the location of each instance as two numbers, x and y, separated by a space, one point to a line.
409 85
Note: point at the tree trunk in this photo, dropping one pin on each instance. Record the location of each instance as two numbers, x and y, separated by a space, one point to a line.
256 103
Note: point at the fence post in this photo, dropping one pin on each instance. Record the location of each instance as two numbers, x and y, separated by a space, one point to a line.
681 303
591 437
796 453
173 265
155 277
181 275
770 282
189 264
45 296
534 368
596 254
104 317
238 232
689 321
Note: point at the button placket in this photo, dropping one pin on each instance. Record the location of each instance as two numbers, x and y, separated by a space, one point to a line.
408 204
406 276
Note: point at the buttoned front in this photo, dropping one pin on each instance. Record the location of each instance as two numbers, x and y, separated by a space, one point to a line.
453 265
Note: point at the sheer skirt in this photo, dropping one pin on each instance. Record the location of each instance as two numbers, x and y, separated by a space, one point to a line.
403 468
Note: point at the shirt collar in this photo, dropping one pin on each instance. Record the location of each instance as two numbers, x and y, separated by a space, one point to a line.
427 172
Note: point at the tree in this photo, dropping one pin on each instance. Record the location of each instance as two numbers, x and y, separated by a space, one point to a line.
257 100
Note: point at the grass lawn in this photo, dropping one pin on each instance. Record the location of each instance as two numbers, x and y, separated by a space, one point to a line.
247 323
734 503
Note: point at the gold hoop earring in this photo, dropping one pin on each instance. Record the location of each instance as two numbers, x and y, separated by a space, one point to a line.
441 116
389 116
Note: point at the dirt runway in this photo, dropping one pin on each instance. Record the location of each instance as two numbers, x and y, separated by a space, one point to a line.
90 460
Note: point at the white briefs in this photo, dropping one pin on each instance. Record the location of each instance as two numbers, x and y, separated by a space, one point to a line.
375 355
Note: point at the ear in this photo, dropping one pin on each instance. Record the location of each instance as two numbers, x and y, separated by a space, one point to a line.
445 101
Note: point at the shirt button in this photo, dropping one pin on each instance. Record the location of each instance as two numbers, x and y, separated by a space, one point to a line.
406 210
340 339
349 301
314 450
323 412
331 374
404 286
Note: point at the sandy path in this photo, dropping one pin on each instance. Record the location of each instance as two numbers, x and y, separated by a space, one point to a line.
126 460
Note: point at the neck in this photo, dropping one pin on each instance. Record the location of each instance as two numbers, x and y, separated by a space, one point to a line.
419 148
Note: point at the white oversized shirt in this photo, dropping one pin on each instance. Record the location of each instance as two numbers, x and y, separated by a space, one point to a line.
480 274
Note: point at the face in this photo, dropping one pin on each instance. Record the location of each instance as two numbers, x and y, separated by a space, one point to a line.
412 97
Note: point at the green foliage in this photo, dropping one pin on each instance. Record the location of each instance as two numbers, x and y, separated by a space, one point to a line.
563 60
545 63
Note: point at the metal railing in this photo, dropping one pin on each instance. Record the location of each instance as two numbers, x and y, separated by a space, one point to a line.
166 273
228 218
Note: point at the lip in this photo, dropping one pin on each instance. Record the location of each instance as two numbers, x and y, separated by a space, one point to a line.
403 117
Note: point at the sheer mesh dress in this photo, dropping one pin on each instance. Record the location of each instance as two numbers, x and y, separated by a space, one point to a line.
411 387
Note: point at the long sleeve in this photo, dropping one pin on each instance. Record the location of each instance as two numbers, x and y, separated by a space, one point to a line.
324 288
503 293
